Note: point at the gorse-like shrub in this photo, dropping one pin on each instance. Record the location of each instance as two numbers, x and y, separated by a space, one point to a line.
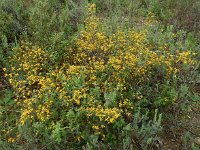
94 94
49 24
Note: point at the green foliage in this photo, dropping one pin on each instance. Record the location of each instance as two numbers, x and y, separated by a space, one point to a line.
48 24
61 95
149 131
182 14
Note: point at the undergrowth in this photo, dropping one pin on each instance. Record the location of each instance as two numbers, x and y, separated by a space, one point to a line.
79 79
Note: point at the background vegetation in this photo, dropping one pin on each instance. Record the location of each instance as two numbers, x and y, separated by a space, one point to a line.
106 74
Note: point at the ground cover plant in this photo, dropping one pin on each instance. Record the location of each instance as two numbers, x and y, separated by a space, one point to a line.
79 79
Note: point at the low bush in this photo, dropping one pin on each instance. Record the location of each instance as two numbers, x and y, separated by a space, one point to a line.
91 100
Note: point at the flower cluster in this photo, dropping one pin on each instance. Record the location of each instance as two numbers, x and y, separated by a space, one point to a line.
101 81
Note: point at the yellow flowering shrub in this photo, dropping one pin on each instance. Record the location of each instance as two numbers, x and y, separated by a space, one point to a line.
101 83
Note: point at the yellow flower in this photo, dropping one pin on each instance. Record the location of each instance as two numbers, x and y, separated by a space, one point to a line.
11 140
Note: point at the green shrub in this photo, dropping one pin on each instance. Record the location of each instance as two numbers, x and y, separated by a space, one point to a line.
80 80
95 93
182 14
